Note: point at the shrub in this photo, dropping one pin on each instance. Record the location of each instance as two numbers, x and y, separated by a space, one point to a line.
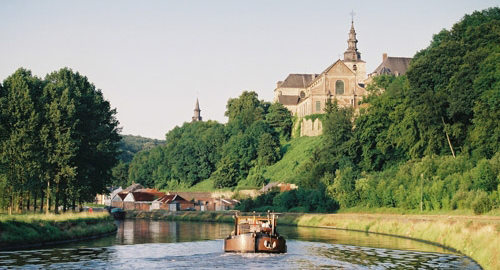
481 203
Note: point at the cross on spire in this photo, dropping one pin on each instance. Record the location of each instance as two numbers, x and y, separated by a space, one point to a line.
352 15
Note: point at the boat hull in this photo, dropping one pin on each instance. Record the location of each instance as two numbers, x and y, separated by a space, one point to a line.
253 243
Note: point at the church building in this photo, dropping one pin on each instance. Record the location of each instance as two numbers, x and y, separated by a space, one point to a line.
197 113
306 94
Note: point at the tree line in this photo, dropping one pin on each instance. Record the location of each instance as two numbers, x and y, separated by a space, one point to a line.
226 153
427 140
58 141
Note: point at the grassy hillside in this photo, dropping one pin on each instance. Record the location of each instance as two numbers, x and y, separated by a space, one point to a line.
298 153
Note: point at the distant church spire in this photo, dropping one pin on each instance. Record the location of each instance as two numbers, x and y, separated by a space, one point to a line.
352 54
197 115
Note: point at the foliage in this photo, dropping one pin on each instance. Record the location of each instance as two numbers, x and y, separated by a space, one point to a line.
60 139
131 145
304 200
280 118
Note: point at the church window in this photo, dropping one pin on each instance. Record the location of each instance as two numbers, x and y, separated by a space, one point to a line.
302 94
339 87
318 106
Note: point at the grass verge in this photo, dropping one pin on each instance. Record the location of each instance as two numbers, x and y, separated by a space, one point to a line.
18 231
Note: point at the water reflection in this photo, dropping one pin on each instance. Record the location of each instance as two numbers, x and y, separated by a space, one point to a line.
160 244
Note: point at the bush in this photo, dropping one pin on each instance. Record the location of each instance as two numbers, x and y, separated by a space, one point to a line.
481 203
298 209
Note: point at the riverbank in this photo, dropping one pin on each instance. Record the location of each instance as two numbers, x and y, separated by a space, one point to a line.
475 236
27 231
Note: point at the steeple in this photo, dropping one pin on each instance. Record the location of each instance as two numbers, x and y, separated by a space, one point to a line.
197 116
352 54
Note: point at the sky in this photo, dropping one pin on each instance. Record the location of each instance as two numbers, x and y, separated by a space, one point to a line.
153 59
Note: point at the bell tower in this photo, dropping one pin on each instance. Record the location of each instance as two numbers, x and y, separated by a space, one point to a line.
197 111
352 57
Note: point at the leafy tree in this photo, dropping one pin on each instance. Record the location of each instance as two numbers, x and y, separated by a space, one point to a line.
280 118
21 123
343 188
227 173
244 111
268 151
80 137
120 174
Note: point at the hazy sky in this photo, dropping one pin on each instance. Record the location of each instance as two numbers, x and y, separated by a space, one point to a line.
152 59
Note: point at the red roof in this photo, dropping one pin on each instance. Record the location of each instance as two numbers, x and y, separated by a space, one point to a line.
171 198
144 196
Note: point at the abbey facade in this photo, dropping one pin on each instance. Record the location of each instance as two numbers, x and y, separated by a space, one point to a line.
307 94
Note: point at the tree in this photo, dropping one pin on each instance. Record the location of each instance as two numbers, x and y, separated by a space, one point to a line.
268 151
227 173
21 124
244 111
280 118
79 136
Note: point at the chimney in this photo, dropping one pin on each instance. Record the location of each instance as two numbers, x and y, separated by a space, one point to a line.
384 57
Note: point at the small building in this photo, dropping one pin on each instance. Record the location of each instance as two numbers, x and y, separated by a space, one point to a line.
281 186
171 202
225 204
117 200
105 198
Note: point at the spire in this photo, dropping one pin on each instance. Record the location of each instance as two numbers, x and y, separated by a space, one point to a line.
197 115
352 54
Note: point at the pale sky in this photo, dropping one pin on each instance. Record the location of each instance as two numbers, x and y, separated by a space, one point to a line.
152 59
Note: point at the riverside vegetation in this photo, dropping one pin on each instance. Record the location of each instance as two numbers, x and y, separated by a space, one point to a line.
21 231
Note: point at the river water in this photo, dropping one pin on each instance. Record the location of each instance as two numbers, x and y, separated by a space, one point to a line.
144 244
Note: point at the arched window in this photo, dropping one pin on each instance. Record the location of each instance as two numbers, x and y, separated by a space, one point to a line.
339 87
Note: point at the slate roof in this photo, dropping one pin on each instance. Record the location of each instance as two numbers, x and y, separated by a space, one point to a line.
133 187
288 100
393 65
298 80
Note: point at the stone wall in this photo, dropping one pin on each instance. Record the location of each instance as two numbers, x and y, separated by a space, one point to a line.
311 128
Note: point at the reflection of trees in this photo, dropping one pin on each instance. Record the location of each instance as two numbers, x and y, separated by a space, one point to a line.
150 231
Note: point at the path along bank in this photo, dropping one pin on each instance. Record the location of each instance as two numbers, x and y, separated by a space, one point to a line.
475 236
31 231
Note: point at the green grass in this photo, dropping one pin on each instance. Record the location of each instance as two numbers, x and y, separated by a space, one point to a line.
205 185
298 153
39 228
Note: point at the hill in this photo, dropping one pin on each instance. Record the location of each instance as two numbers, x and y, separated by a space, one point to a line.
130 145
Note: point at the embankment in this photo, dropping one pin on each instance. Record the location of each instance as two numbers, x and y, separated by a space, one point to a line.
28 231
475 236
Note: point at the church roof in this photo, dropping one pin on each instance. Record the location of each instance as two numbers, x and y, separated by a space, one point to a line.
298 80
288 100
393 65
338 61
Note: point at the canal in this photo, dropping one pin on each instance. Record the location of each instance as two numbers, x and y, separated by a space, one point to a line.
145 244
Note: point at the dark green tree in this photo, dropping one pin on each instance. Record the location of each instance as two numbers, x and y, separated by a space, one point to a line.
280 118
